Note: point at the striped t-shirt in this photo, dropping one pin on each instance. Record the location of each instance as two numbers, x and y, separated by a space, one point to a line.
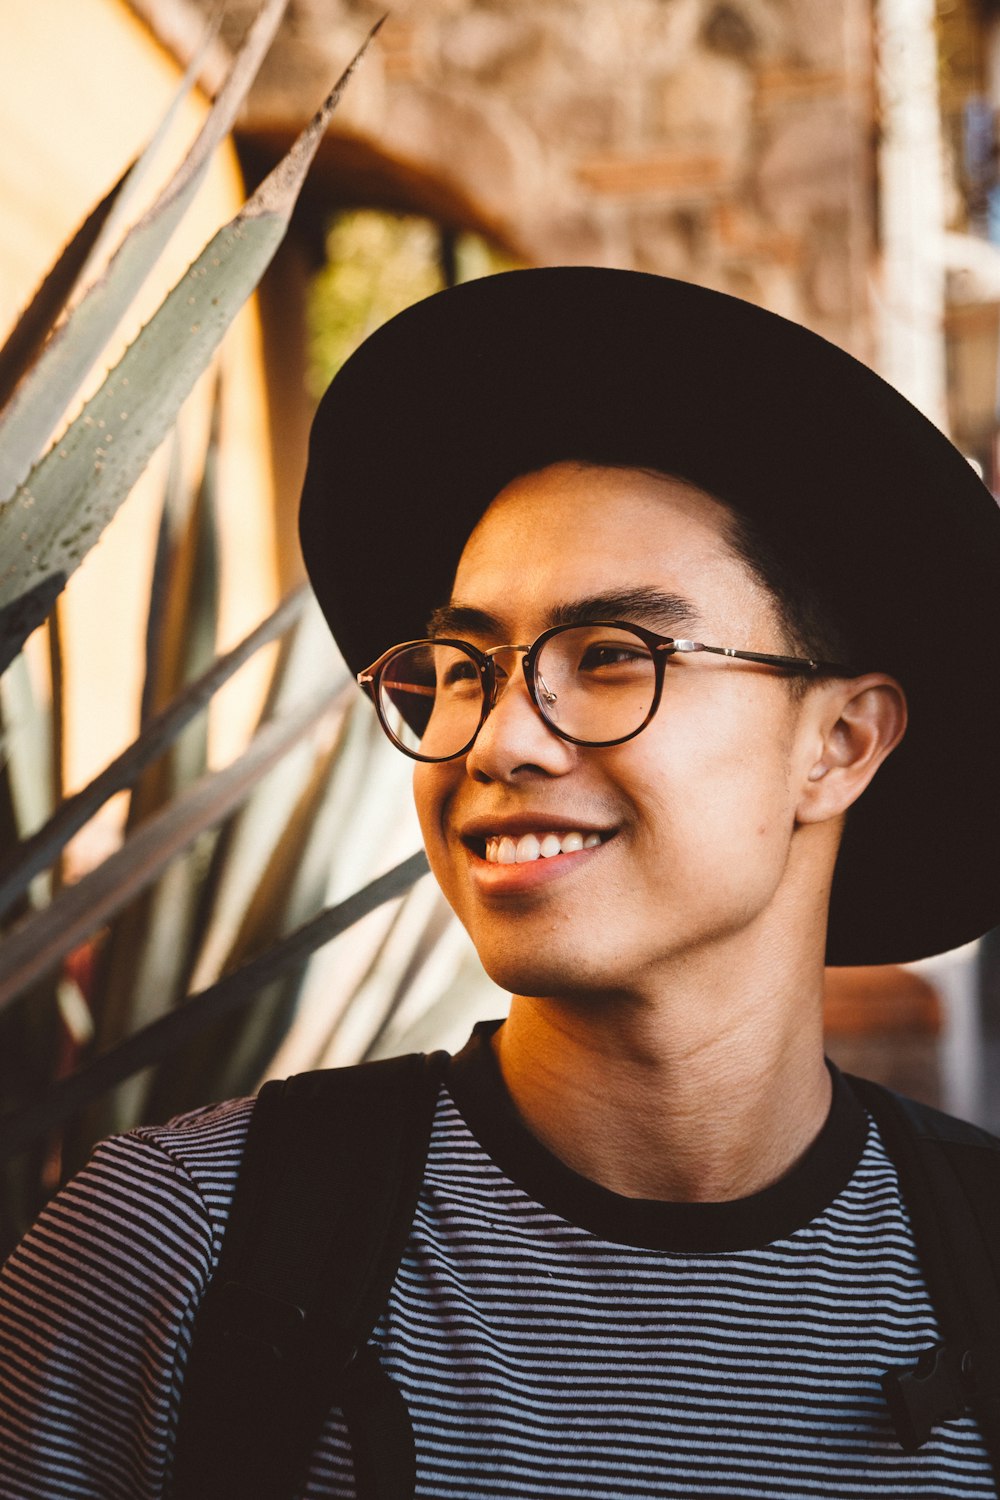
551 1338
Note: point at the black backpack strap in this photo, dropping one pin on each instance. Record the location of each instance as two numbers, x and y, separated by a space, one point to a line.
949 1173
323 1206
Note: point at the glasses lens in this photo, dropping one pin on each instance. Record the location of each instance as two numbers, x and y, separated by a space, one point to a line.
595 682
431 697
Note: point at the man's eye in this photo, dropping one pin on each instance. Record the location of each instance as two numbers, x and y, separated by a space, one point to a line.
594 658
459 672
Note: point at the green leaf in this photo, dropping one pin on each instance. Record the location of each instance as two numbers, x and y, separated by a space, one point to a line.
268 875
451 993
121 208
183 621
28 743
42 398
417 927
43 847
144 964
54 518
230 995
73 266
42 940
234 1053
251 840
159 588
36 322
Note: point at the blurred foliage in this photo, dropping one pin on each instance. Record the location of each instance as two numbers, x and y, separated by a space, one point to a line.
209 868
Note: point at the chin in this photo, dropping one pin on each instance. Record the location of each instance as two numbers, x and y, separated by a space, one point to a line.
529 973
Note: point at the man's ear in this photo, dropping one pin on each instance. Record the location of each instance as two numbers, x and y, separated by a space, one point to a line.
851 725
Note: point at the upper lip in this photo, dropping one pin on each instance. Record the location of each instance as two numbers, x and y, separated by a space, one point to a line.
513 826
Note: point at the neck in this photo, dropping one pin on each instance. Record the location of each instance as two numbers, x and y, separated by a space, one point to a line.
694 1093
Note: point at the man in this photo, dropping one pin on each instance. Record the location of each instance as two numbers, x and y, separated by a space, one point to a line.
685 619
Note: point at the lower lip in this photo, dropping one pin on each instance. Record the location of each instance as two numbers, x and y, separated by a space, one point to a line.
497 879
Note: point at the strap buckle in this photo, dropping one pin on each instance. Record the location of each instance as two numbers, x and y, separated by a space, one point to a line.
938 1388
265 1323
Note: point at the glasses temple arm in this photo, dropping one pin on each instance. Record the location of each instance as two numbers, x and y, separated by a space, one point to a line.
803 665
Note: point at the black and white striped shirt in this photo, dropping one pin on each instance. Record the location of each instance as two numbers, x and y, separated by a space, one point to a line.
551 1338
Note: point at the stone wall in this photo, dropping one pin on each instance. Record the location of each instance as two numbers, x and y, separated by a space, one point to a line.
729 142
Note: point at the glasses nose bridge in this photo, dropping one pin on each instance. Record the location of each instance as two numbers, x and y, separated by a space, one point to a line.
493 684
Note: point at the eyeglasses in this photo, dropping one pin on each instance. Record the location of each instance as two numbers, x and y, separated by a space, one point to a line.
594 684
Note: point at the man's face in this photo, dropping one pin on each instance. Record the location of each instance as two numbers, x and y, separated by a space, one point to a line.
696 815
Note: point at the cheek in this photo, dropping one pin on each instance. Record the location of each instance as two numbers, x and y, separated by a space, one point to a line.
427 795
715 791
433 788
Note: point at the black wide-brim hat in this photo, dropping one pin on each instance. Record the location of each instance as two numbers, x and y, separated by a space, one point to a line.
450 400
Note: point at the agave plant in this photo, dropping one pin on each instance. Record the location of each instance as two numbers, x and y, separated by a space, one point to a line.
168 973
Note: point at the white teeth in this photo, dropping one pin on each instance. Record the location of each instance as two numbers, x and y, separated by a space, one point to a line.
529 847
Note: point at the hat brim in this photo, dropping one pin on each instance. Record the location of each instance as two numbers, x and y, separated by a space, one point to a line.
446 403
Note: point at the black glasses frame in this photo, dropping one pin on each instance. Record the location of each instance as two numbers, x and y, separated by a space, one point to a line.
661 648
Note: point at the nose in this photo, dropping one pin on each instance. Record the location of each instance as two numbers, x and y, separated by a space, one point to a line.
515 738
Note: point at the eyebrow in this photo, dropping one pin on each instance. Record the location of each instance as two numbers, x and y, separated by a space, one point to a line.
640 606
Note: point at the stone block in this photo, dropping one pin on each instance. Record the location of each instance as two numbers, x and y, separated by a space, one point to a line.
472 143
706 104
576 238
568 120
672 242
672 173
779 83
808 164
741 232
399 42
770 286
487 45
829 280
819 32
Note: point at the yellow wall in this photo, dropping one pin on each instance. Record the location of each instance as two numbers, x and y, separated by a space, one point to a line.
82 87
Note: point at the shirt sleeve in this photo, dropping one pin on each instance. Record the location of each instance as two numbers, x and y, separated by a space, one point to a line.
97 1306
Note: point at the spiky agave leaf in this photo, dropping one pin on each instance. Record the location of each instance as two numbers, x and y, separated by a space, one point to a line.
38 852
449 995
165 1036
367 821
418 923
59 512
26 726
143 966
36 322
268 875
233 1054
249 841
73 266
41 401
39 943
29 1031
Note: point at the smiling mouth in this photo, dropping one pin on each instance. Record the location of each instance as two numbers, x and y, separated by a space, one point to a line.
502 849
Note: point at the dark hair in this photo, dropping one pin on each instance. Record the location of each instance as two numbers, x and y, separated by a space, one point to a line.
810 625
